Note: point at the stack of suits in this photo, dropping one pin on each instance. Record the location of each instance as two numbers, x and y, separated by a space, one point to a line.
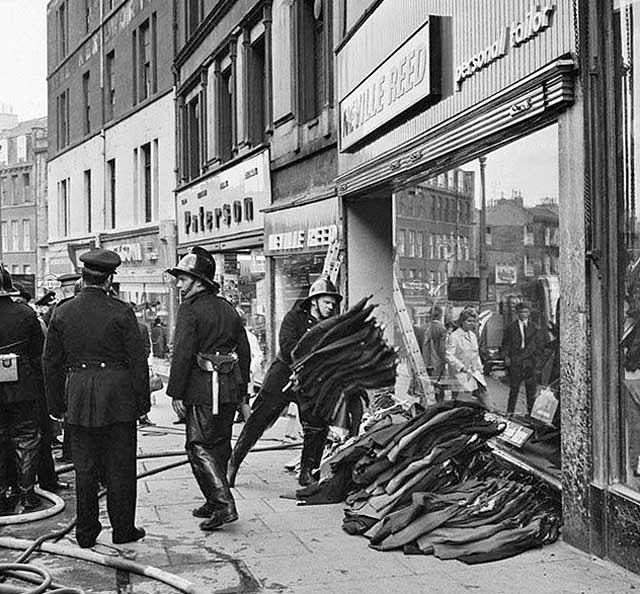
430 486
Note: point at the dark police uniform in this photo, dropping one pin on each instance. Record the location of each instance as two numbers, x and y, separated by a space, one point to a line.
21 334
96 374
208 324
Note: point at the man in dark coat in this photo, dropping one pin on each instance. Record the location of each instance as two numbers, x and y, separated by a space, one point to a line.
320 304
208 378
21 335
96 375
522 347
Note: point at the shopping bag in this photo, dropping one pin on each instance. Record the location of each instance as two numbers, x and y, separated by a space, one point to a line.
545 406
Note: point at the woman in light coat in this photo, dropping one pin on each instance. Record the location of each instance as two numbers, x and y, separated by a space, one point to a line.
463 358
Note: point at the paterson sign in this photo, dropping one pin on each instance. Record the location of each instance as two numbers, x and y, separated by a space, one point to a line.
402 80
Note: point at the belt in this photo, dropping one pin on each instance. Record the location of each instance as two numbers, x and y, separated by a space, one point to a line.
79 366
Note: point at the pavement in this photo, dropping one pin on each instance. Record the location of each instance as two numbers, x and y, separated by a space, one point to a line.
278 546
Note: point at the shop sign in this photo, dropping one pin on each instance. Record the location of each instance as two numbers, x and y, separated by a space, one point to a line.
50 282
226 203
129 252
402 80
506 275
302 239
514 35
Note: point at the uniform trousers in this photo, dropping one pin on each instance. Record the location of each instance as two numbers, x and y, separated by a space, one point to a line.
110 450
19 439
521 372
208 448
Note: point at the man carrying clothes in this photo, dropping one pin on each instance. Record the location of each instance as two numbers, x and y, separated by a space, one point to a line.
522 346
96 375
21 335
320 304
207 381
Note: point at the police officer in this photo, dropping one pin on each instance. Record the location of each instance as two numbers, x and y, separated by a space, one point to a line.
208 378
97 376
320 303
21 335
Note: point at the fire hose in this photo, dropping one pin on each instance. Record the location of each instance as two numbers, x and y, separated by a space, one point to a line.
22 571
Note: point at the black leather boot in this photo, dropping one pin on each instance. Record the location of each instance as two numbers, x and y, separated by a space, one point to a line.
220 517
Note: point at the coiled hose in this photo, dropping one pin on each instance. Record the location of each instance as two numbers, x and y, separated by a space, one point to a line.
42 580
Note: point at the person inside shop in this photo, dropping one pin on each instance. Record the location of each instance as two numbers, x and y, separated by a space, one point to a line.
463 358
522 346
96 374
20 390
207 380
434 350
321 303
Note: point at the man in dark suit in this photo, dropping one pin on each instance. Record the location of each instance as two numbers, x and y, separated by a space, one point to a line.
522 346
21 342
96 375
208 379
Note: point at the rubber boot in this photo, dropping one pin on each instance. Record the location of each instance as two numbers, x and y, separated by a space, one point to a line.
312 449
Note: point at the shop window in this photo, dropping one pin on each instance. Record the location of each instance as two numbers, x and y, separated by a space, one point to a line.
627 19
312 58
110 85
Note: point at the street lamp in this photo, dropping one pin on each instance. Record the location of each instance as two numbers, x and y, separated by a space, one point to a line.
482 236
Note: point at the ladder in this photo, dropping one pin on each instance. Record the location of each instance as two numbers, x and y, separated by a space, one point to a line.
411 344
333 261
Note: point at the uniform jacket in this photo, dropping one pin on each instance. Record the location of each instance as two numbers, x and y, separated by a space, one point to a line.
94 328
19 324
295 323
462 352
511 344
208 324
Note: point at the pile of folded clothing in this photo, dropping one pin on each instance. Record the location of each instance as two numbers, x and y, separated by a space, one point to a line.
430 485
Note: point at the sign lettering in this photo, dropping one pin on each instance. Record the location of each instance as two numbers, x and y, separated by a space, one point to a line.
519 32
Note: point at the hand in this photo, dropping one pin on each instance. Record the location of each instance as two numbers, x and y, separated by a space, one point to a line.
179 408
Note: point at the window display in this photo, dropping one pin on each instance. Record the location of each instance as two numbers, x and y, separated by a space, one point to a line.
627 26
501 278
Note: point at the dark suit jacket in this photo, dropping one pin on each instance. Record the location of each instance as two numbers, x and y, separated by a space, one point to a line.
19 324
207 324
527 357
294 325
95 327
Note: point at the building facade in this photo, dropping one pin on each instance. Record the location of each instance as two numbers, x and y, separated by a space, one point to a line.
543 94
112 142
23 202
